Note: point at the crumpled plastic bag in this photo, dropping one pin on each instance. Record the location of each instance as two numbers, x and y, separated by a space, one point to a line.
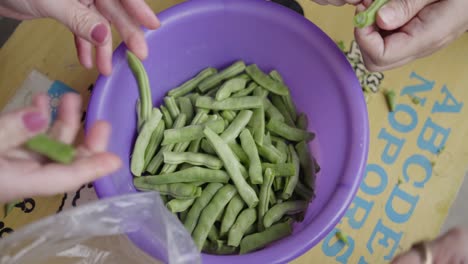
96 233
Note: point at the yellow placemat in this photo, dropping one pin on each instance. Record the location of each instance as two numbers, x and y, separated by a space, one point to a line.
417 154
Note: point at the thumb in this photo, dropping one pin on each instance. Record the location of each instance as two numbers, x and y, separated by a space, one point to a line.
84 22
19 126
397 13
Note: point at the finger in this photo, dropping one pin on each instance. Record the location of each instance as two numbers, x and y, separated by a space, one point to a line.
81 20
104 59
141 12
98 137
397 13
127 27
19 126
56 178
67 125
321 2
411 256
41 101
84 52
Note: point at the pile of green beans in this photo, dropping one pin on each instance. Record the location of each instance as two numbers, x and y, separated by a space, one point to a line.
228 152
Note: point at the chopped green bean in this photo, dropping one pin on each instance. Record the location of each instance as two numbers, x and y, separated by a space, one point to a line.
192 132
171 105
390 97
342 237
287 99
279 210
245 219
186 107
232 166
167 117
199 204
229 72
219 248
138 70
195 145
245 92
291 182
255 167
198 159
239 153
191 84
270 153
138 156
210 213
280 170
265 191
302 121
155 141
257 125
278 102
265 81
304 192
229 87
271 111
260 92
305 159
228 115
213 235
366 18
288 132
262 239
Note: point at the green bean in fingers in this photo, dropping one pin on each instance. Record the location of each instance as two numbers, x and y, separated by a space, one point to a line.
265 191
192 174
265 81
229 87
236 103
255 167
210 213
52 149
232 167
236 126
177 206
198 159
259 240
176 190
233 209
279 210
245 219
137 163
138 70
213 80
199 204
291 182
191 84
288 132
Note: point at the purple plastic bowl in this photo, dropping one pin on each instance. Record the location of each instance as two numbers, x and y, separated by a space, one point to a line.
201 33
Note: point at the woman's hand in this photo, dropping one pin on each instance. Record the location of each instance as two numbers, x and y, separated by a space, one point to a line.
410 29
26 174
337 2
90 21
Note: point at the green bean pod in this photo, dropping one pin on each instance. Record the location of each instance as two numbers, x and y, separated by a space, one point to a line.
262 239
176 190
229 87
228 115
280 170
302 121
304 192
255 167
366 18
167 116
278 211
232 167
247 91
137 163
288 132
305 159
271 111
198 159
52 149
245 219
257 125
265 81
177 206
199 204
260 92
218 248
195 145
270 153
186 107
210 212
233 209
191 84
192 132
192 174
291 182
278 102
239 153
229 72
213 235
287 99
233 103
138 70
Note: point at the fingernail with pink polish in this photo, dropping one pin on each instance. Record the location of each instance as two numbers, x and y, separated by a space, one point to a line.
34 121
99 33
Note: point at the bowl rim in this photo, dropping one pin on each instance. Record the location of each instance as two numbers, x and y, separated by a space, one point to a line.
349 184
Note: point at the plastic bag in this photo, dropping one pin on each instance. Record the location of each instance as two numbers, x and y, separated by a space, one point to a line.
95 233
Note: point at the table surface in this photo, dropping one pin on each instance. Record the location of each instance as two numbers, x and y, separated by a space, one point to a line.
48 47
